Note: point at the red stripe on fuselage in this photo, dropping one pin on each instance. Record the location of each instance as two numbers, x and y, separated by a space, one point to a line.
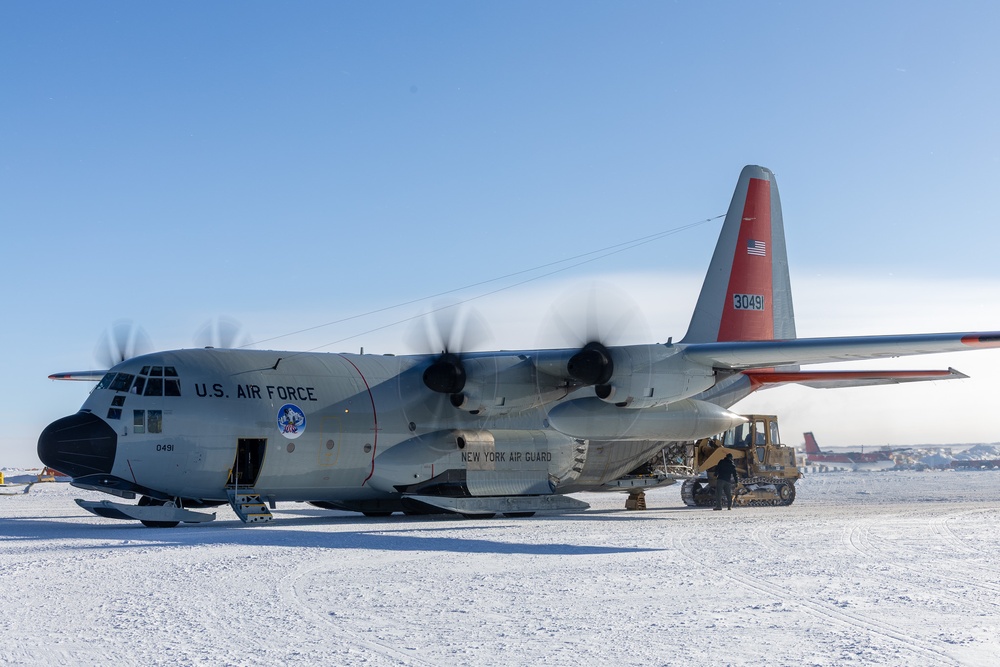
751 274
374 418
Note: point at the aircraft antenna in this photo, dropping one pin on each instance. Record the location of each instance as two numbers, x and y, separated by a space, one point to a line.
584 258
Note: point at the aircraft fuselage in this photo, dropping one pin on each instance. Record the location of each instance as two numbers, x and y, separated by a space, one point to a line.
346 429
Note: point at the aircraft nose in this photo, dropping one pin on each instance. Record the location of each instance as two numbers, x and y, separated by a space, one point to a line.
78 445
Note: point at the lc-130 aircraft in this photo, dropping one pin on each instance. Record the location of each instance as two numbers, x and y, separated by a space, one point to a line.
856 461
473 434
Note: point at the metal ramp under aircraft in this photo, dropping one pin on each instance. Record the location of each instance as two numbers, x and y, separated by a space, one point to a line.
249 506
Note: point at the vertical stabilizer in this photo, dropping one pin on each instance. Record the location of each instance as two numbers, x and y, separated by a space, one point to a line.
747 294
812 447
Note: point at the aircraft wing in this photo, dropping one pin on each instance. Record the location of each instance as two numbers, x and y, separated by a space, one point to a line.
743 355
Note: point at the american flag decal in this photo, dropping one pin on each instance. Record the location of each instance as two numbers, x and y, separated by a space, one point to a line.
758 248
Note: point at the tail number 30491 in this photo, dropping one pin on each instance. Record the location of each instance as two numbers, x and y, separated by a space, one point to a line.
748 301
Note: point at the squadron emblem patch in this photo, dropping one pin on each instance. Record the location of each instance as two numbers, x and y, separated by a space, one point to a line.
291 421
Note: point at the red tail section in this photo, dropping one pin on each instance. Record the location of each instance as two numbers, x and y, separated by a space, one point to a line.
750 313
812 447
746 295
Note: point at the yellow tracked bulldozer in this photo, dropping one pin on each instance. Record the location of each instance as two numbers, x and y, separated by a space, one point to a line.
767 469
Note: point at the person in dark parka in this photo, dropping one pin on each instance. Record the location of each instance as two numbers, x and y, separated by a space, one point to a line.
726 476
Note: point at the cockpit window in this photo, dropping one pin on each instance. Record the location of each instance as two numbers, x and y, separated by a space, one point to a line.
122 382
154 387
151 381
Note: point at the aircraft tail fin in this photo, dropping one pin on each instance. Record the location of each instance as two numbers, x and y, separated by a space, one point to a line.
812 447
747 295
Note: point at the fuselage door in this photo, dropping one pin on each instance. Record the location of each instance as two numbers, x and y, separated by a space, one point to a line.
249 460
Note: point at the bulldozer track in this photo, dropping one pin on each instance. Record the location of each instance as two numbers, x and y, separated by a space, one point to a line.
698 493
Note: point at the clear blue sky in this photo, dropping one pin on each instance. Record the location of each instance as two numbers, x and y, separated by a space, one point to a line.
290 164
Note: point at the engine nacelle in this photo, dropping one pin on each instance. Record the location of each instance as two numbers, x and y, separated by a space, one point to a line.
501 385
648 376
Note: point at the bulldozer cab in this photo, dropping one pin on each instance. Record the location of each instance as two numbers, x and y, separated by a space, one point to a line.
759 442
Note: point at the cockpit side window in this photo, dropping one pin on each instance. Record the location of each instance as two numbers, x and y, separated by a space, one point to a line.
155 421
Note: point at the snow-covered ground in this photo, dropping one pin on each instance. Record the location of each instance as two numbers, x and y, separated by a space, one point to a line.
890 568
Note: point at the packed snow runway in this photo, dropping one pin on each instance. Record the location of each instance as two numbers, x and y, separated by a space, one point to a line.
885 568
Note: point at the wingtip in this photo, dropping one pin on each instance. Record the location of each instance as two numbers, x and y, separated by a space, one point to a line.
991 339
79 376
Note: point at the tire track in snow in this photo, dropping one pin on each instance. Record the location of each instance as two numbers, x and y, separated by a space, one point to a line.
943 528
861 542
293 594
61 655
826 612
763 534
856 537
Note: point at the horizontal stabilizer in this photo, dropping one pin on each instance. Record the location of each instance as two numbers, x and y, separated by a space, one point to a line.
841 379
740 355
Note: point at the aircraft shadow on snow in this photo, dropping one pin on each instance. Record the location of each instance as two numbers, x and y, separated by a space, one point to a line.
390 537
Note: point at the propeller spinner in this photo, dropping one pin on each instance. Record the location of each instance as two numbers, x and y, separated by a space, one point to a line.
594 318
449 331
446 375
592 364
